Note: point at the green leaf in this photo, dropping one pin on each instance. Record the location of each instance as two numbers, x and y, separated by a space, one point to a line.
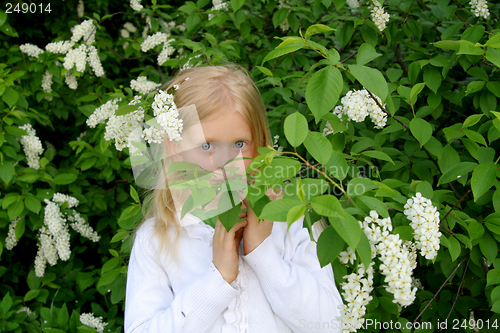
316 29
86 329
108 277
20 227
7 171
296 129
387 304
476 230
327 205
319 147
377 154
3 17
376 204
470 48
33 204
366 53
15 209
493 56
265 70
63 316
488 246
277 210
359 185
330 244
134 195
294 214
32 294
432 78
371 79
348 229
10 96
126 109
454 248
482 179
228 217
421 130
65 179
415 90
472 120
278 52
457 171
493 277
323 90
236 4
129 217
364 250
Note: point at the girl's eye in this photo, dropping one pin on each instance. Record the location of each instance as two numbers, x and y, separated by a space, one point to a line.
240 144
205 146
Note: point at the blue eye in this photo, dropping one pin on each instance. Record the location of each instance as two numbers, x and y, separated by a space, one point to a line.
240 144
205 146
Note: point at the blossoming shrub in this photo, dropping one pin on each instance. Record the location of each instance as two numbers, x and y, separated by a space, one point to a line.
384 115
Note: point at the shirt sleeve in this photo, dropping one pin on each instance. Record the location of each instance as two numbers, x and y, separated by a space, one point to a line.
300 292
151 306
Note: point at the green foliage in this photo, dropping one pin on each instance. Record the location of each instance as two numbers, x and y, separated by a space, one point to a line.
434 68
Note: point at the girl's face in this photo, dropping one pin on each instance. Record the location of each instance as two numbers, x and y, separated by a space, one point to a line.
217 139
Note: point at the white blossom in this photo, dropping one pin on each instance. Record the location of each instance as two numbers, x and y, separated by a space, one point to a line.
40 262
11 240
76 58
379 16
24 309
328 129
136 5
284 26
353 4
153 40
82 227
60 197
143 86
119 128
167 115
358 104
424 219
60 47
70 80
167 51
31 50
47 82
480 8
103 112
86 30
80 9
89 320
218 5
32 146
94 61
130 27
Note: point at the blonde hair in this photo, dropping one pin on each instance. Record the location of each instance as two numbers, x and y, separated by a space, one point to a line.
211 89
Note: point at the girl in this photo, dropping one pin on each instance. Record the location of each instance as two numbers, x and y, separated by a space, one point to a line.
187 276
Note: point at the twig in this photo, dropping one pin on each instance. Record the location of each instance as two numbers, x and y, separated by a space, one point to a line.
454 206
349 57
440 288
459 288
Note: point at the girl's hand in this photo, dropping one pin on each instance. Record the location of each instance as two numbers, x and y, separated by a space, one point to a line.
256 232
225 249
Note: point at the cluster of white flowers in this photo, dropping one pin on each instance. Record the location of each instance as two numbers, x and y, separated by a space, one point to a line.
120 127
398 258
424 219
136 5
357 104
60 47
70 80
11 240
189 64
80 9
85 30
32 146
219 5
78 58
89 320
103 112
153 40
379 16
284 26
167 115
94 61
328 129
47 84
24 309
356 293
31 50
143 86
480 8
82 227
167 51
54 235
353 4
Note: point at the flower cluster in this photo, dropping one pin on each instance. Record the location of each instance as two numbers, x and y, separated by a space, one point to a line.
54 235
356 293
379 16
157 39
167 115
102 113
480 8
275 144
60 47
11 240
284 26
31 50
32 146
143 86
120 127
357 104
424 219
47 84
136 5
328 129
89 320
79 57
70 80
85 30
219 5
353 4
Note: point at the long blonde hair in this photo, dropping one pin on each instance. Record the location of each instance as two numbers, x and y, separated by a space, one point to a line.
211 89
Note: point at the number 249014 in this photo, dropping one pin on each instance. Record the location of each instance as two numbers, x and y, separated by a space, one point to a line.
27 8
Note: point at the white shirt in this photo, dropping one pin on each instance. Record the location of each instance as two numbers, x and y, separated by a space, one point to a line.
280 285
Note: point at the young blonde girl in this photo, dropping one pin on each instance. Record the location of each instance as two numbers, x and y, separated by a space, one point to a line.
186 276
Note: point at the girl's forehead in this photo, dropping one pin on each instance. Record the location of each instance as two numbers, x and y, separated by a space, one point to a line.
226 126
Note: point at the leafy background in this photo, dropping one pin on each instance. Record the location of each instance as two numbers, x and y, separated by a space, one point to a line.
435 67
